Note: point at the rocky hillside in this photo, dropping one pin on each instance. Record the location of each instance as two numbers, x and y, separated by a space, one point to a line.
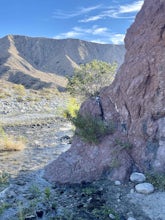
41 62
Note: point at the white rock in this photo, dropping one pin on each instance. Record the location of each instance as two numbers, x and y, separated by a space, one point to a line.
132 191
137 177
111 216
144 188
131 218
117 183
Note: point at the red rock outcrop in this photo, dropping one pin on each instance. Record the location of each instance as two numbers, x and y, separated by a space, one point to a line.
139 88
135 100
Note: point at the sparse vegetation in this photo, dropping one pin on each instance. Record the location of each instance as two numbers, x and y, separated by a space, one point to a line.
92 129
123 144
3 206
104 211
89 78
4 178
157 179
20 90
35 191
88 191
3 94
48 93
47 193
21 215
72 108
9 142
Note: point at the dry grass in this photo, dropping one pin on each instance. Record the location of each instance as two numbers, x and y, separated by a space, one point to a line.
19 89
4 90
10 143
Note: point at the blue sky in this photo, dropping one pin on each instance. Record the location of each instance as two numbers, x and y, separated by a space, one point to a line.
103 21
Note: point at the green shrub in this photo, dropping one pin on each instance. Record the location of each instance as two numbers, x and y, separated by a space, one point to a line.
92 129
104 211
157 179
88 191
4 178
47 193
3 207
72 108
89 78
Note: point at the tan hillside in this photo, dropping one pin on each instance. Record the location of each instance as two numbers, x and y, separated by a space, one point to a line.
43 62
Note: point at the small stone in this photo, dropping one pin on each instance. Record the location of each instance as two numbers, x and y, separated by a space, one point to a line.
117 183
118 195
21 182
30 217
11 194
137 177
111 216
36 142
144 188
132 191
131 218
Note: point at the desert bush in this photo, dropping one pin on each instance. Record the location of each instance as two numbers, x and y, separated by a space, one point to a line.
92 129
19 89
4 178
4 94
10 143
19 99
48 93
89 78
71 109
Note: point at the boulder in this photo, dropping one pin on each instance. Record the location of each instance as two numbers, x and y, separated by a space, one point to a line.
135 101
88 161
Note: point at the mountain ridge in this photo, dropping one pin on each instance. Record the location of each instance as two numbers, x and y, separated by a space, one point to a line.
43 62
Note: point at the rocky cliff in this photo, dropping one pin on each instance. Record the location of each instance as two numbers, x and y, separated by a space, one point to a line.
37 62
135 101
139 88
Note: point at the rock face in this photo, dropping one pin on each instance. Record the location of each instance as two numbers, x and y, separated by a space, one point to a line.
36 62
139 89
136 101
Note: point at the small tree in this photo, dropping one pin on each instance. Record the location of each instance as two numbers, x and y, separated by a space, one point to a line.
89 78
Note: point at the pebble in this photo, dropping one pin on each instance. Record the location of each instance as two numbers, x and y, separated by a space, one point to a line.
111 216
137 177
31 217
144 188
117 183
132 191
11 194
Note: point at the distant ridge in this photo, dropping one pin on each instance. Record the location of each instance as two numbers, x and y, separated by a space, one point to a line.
39 62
